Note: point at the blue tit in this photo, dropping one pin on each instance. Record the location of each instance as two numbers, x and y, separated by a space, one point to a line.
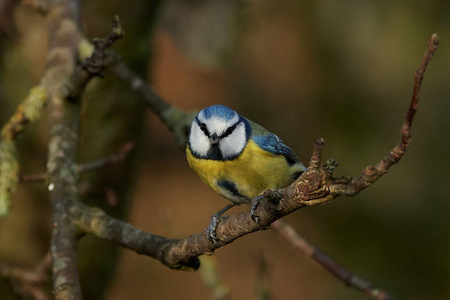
238 158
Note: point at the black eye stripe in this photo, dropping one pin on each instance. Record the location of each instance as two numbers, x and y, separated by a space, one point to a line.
203 127
229 131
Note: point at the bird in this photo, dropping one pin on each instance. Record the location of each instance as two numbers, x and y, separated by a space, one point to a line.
238 159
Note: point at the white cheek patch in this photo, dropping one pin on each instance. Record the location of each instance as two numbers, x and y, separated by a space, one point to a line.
233 144
198 141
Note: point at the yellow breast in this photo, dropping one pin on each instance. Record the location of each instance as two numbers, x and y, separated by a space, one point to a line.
253 172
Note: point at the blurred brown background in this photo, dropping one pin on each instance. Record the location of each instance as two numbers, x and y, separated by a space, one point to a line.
341 70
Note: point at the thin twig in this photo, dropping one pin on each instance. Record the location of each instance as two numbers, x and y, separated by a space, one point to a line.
101 163
41 177
157 104
20 274
28 282
316 157
118 157
177 121
94 65
45 264
352 186
300 244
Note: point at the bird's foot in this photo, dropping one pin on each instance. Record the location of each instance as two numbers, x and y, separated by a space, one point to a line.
214 221
211 230
255 203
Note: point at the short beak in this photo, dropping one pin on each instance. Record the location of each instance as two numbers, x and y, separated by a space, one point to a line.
214 138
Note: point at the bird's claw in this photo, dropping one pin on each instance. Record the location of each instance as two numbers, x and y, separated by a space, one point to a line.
211 230
214 221
255 216
253 213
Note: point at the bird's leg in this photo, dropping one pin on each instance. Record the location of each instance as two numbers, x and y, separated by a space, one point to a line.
211 229
255 203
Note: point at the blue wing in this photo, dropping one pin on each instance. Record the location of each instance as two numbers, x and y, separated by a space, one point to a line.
271 143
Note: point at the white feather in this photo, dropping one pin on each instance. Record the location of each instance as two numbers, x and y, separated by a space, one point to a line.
233 144
230 146
198 141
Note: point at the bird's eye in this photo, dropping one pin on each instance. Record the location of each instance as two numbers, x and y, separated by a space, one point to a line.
204 128
228 131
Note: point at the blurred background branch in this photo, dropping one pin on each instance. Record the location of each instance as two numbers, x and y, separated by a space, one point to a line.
300 244
29 111
115 158
178 122
28 283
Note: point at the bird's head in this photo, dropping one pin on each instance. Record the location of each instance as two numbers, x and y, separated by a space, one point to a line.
218 133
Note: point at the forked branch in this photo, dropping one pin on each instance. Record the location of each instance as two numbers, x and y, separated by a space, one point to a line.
65 81
370 174
316 186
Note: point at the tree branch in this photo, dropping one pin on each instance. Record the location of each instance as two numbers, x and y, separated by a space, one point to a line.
28 282
315 186
63 144
71 87
95 64
183 253
301 245
64 80
115 158
177 121
104 162
93 60
29 111
352 186
97 222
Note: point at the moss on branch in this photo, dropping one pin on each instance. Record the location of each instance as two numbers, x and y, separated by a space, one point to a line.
9 174
29 111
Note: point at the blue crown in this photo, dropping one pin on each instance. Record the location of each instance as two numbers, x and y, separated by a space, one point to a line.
220 111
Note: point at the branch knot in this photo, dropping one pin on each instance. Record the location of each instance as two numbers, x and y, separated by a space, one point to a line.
312 185
95 64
